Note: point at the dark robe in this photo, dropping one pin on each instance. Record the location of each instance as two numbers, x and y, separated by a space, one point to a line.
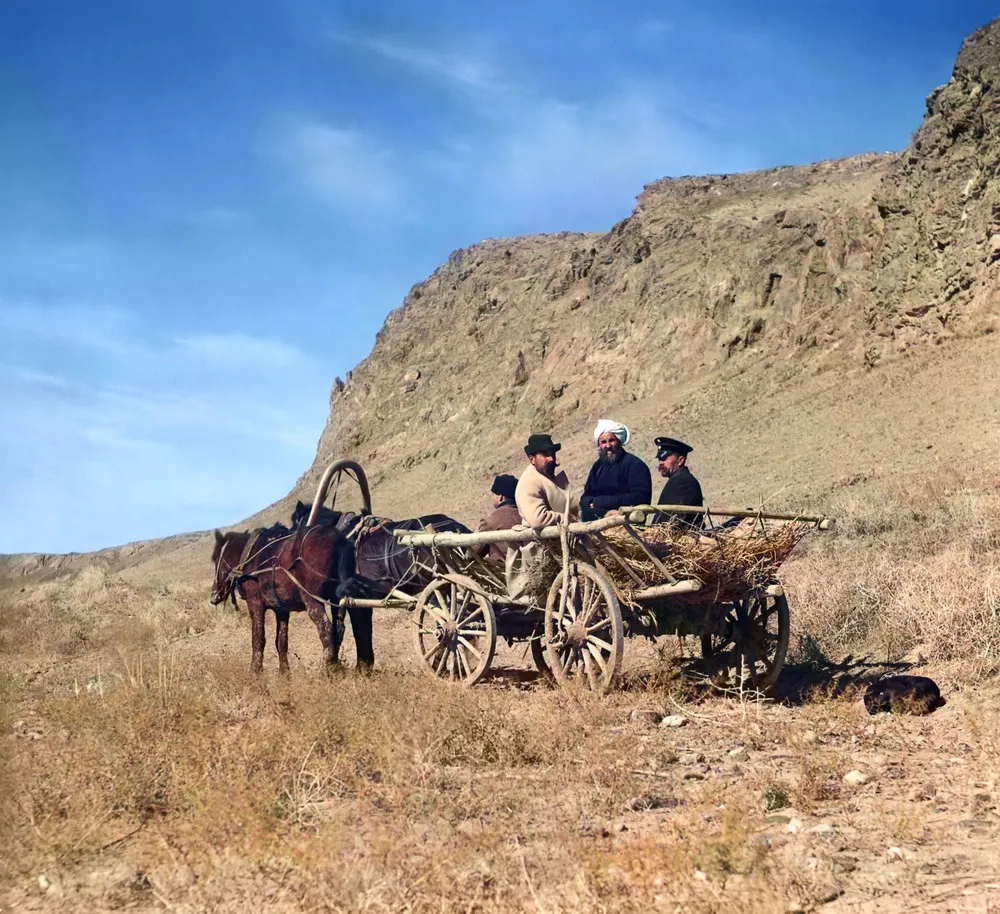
681 489
627 481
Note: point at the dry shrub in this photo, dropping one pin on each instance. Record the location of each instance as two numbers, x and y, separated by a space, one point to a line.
385 792
903 571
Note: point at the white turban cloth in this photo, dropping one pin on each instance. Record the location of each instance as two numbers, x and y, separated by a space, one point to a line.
616 428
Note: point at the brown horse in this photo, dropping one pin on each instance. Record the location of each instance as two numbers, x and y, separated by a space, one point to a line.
288 571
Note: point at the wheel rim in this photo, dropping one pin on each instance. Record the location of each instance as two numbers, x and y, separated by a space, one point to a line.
455 633
583 633
750 652
539 658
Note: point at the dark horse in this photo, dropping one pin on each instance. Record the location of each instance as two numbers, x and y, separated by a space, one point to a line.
287 571
381 561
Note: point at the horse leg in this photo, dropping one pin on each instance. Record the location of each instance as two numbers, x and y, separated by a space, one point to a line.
361 625
330 634
281 639
255 608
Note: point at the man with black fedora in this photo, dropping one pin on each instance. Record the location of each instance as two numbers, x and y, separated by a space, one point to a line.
681 487
503 516
542 492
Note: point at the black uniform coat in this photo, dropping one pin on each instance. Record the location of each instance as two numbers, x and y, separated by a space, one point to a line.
681 489
627 481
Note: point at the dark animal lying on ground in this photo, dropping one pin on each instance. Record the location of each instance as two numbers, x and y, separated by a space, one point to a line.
288 571
903 695
382 562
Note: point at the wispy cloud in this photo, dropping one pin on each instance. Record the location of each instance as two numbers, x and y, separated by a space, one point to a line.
345 166
527 154
476 74
230 348
132 436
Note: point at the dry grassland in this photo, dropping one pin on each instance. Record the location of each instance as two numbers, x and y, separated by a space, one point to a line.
144 769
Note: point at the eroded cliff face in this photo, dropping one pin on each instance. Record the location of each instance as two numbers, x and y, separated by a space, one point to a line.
777 274
935 273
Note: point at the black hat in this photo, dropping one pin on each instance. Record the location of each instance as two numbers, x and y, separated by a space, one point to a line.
504 485
540 443
667 446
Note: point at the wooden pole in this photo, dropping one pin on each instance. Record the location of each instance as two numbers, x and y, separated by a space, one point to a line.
409 538
824 522
666 590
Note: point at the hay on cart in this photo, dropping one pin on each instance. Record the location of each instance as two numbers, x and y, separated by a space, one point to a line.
727 563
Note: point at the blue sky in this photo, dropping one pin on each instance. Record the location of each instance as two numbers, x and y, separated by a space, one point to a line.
207 209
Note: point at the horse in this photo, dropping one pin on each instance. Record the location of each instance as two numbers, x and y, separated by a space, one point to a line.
289 571
381 561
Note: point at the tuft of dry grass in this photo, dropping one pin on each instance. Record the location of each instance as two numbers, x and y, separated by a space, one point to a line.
904 573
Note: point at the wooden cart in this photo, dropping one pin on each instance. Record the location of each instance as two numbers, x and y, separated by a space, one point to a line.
577 622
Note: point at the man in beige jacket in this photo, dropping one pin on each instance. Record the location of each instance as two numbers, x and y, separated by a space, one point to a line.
541 492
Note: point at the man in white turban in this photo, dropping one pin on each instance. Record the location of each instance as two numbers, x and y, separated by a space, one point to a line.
617 477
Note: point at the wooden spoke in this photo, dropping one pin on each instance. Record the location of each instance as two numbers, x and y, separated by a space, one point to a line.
469 646
597 626
598 657
477 612
606 645
433 650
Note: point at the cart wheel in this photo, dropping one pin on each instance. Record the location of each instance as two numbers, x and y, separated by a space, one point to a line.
750 652
538 656
584 636
455 632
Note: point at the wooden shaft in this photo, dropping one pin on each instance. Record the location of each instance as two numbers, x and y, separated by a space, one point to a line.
728 512
359 603
409 538
666 590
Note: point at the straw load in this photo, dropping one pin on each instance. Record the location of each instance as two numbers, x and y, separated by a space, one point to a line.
726 562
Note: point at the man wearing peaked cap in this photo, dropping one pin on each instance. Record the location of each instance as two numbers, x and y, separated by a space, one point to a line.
503 516
541 492
681 487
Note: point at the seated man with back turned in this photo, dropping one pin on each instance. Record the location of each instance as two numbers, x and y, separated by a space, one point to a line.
541 492
503 516
681 487
617 477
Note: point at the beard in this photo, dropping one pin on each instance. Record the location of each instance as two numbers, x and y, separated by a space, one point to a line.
612 456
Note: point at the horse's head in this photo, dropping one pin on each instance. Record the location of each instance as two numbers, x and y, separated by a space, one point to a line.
225 556
300 515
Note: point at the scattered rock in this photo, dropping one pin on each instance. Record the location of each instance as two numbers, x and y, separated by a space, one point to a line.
649 801
855 778
739 755
844 864
674 720
794 826
412 374
647 716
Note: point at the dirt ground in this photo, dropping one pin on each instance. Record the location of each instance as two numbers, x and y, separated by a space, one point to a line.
548 801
